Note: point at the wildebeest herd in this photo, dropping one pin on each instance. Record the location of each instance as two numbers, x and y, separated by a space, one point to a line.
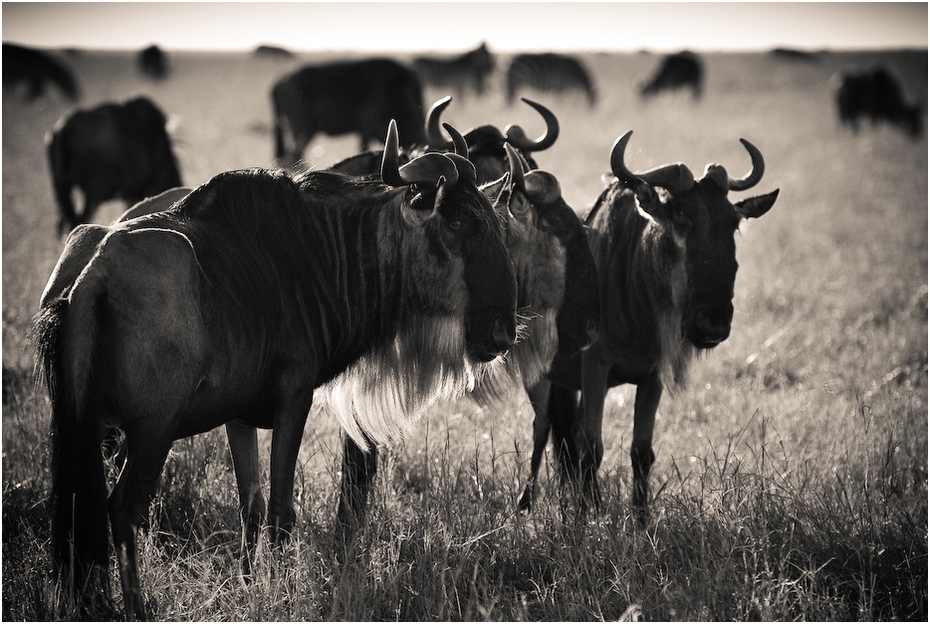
443 265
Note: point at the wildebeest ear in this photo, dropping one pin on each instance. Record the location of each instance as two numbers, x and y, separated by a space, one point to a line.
755 207
520 205
646 196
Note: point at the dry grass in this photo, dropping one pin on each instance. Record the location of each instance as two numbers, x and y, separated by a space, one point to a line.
791 477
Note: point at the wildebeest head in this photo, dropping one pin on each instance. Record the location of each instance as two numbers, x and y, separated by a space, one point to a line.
459 222
556 273
703 222
486 143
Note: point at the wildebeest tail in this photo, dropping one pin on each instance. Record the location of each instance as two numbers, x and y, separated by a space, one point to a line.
279 115
61 181
65 334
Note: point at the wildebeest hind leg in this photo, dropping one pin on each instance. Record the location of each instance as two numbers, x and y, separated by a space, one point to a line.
648 394
243 446
128 505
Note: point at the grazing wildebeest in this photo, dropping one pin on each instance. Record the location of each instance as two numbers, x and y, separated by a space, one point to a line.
238 302
666 269
485 144
112 151
875 93
680 70
37 69
273 52
469 70
153 62
343 98
553 73
790 54
557 295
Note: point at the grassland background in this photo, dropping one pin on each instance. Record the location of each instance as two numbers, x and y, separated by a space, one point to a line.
791 474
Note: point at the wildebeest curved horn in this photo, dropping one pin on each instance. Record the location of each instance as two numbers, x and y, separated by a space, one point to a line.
516 167
516 136
433 133
755 174
458 141
676 177
427 169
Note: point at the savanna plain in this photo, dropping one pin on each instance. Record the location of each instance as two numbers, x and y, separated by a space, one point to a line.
791 472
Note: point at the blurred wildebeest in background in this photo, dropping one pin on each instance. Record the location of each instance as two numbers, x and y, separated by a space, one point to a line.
272 52
667 268
36 69
343 98
790 54
223 309
552 73
680 70
470 70
153 62
112 151
875 93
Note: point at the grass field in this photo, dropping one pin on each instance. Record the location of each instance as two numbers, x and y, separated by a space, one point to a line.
791 473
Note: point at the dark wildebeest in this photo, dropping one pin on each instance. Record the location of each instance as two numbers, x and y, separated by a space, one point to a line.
37 69
235 304
485 144
875 93
113 151
342 98
153 62
677 71
272 52
667 267
557 296
470 70
552 73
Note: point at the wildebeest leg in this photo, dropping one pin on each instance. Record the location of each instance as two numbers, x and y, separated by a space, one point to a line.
539 399
289 420
243 446
648 394
591 415
358 473
90 209
128 506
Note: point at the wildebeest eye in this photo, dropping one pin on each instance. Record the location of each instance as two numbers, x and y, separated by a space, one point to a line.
455 224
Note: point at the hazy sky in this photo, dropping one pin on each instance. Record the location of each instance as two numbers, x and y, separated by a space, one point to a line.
455 26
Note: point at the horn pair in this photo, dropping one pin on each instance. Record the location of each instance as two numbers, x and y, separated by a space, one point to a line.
513 134
677 177
432 168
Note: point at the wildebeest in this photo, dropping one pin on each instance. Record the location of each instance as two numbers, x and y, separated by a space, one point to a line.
677 71
37 69
552 73
666 268
343 98
112 151
273 52
875 93
153 62
485 144
238 302
469 70
557 295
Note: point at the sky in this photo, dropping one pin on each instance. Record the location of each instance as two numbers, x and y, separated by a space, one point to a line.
456 26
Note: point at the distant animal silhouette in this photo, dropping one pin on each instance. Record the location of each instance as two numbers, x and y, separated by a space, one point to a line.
552 73
37 70
875 93
677 71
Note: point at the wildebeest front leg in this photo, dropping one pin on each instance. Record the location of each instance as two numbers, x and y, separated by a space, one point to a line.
648 394
358 473
243 445
539 399
128 506
289 421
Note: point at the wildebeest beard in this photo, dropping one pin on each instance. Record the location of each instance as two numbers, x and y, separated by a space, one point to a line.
381 396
